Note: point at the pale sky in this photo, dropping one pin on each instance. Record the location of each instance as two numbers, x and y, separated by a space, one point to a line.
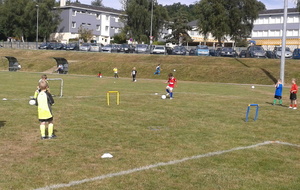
270 4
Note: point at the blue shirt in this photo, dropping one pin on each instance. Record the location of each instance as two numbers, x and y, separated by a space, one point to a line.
278 91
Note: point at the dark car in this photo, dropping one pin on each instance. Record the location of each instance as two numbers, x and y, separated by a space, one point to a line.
43 45
218 51
243 54
270 54
296 53
212 52
126 48
179 50
56 46
256 51
228 52
72 46
192 52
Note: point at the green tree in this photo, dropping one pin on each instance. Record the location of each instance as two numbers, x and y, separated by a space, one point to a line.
85 34
175 8
97 3
138 20
179 29
221 17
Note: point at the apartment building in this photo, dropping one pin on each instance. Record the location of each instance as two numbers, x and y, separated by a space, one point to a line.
103 21
268 28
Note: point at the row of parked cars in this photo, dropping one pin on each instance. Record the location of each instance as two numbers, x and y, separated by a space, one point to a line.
200 50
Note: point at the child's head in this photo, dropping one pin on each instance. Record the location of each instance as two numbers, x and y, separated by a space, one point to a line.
43 85
293 80
133 68
44 77
279 81
170 75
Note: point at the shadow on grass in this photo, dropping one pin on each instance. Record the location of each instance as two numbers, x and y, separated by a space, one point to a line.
2 123
238 60
269 75
271 103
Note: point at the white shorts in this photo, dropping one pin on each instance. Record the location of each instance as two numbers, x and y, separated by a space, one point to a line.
170 88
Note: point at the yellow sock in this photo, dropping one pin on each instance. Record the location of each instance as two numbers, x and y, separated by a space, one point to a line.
50 129
43 130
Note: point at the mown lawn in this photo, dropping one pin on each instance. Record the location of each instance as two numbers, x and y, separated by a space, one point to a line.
145 130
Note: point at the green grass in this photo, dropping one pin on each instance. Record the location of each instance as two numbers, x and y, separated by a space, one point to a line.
188 68
145 130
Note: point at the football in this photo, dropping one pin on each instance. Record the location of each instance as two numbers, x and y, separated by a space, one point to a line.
163 97
31 102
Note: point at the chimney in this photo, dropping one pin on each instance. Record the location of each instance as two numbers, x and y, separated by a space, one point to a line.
62 3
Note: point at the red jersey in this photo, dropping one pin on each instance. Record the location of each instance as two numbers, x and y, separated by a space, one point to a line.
172 81
294 88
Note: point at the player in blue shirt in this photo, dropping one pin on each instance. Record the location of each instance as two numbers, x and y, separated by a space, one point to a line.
278 92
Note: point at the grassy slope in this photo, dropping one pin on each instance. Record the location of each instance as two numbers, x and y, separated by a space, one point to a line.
188 68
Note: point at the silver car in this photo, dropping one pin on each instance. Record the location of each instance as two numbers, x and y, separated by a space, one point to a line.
159 50
142 48
85 47
277 52
95 48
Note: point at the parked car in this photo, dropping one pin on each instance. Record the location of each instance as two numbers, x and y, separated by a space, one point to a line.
212 52
107 48
43 45
277 52
95 47
192 52
159 50
127 48
72 46
179 50
85 47
296 53
270 54
218 51
202 50
56 46
228 52
243 54
256 51
142 48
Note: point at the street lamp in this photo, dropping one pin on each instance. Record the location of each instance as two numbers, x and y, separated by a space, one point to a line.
37 25
151 37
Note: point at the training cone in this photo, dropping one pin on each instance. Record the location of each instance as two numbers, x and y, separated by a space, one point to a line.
106 155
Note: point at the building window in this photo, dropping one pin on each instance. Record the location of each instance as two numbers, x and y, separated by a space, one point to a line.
107 17
275 20
74 13
274 33
98 16
98 27
117 19
73 24
292 32
293 19
83 24
106 28
89 24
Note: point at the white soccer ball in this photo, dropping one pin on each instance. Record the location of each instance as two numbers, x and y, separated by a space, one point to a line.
31 102
163 97
253 87
174 70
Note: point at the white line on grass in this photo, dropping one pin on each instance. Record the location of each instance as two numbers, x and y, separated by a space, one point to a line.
210 154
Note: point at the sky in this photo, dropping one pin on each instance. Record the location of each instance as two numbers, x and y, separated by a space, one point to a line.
270 4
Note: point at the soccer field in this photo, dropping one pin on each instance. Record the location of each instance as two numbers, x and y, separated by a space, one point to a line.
198 140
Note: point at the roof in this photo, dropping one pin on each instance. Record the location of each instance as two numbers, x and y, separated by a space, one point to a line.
279 11
193 23
94 8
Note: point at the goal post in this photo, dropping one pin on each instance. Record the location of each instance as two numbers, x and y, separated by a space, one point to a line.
53 86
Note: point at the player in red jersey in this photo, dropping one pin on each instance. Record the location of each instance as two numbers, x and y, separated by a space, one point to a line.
293 95
172 82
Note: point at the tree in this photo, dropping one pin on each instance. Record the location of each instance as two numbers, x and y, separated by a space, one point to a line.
85 34
222 17
179 29
138 20
178 7
97 3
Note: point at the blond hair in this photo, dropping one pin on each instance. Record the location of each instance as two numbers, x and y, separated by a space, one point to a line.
43 85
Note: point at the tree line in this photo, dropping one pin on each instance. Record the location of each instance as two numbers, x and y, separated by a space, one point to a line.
18 18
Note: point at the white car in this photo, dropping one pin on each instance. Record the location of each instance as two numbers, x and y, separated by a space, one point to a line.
159 50
95 48
277 52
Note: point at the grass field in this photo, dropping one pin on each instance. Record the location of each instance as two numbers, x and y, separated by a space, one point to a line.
145 130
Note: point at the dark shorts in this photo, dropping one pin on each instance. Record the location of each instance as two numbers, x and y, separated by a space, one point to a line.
278 97
293 96
46 120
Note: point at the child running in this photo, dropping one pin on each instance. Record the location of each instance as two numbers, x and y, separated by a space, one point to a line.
278 92
293 95
133 74
171 85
